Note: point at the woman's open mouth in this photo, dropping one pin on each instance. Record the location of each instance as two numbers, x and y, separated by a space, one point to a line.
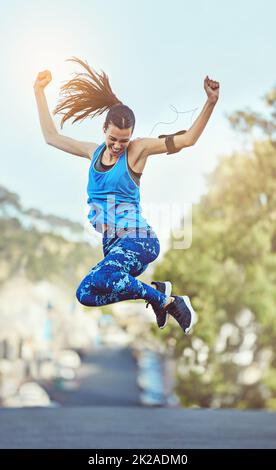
116 152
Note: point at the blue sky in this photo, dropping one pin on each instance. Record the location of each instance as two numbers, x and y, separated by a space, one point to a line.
156 54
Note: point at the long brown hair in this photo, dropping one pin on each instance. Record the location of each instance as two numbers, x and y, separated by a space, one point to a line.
89 94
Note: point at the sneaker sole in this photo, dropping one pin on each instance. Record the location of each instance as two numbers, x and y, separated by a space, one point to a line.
168 291
193 314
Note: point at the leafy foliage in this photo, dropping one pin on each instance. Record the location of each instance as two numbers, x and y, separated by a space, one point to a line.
41 254
230 274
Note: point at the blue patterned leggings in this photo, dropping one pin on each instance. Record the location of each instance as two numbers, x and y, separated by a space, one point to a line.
113 279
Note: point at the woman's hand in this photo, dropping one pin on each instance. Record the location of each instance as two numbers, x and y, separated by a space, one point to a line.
42 80
212 89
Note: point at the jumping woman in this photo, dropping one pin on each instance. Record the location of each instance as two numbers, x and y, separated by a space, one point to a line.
129 242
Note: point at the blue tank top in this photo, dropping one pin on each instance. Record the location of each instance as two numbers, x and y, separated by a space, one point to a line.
113 196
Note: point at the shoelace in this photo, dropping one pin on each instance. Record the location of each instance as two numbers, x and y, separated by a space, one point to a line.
148 303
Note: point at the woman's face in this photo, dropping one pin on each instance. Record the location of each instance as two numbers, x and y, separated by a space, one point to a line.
117 140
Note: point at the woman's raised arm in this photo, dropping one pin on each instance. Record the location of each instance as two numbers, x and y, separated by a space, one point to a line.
46 122
50 133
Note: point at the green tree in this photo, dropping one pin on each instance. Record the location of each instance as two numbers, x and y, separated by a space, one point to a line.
230 272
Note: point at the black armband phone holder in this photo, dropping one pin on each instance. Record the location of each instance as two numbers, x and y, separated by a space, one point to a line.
170 142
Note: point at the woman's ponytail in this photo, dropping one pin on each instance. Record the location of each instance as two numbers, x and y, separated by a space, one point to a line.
87 95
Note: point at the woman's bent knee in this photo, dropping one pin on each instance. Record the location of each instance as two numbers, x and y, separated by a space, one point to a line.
80 294
99 280
84 296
